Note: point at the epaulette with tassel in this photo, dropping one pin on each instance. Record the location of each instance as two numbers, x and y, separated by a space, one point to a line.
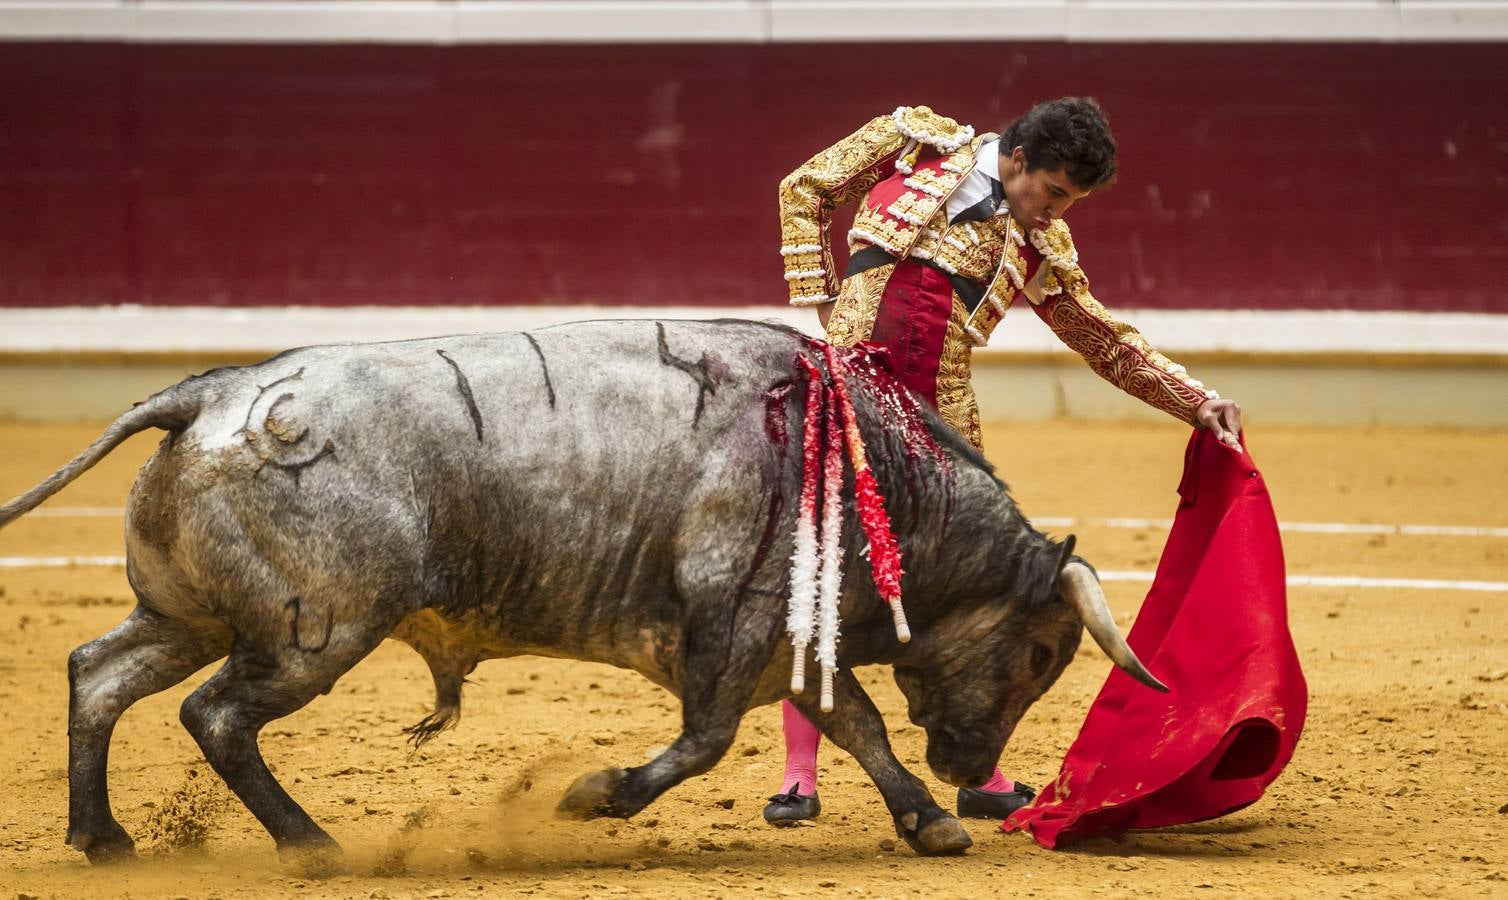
921 125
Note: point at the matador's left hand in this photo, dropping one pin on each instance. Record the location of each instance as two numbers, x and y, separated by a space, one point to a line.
1222 417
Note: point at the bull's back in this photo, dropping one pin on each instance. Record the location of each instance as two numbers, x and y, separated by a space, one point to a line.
465 469
611 388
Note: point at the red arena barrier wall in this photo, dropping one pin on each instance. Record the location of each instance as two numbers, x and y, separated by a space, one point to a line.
1267 176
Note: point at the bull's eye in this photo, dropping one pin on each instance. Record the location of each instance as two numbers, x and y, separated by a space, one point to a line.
1042 657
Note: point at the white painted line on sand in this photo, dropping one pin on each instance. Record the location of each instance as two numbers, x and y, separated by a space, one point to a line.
1054 521
79 512
1430 584
1345 528
1132 523
58 562
1434 584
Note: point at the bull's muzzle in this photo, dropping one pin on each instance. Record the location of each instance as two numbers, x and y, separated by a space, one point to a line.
959 761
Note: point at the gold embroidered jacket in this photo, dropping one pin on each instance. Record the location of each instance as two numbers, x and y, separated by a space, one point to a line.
903 167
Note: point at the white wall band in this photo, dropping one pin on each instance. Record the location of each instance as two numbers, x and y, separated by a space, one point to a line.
145 329
748 21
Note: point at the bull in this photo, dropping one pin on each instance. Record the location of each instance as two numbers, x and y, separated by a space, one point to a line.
618 492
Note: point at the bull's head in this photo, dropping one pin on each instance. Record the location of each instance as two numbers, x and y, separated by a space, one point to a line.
970 675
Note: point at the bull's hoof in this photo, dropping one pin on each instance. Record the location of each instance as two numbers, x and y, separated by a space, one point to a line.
110 845
591 796
941 835
315 858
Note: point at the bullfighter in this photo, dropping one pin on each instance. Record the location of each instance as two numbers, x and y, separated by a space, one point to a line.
951 226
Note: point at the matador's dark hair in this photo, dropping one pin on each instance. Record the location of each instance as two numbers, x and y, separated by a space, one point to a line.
1068 133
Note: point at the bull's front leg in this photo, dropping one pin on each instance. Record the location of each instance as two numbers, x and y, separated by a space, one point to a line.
716 686
620 793
856 726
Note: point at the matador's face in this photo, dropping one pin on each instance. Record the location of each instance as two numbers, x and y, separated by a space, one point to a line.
1036 196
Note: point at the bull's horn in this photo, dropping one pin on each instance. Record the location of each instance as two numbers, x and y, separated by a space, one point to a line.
1083 590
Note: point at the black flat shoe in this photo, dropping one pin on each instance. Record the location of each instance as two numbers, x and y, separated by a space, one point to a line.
791 807
975 803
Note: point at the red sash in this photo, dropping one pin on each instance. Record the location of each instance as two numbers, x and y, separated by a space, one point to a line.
912 322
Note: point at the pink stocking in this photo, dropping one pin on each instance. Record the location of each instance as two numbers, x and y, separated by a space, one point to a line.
801 740
998 783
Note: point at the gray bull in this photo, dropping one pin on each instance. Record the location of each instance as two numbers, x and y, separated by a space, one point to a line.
611 491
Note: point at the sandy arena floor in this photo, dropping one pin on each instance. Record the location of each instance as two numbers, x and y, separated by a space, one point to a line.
1399 787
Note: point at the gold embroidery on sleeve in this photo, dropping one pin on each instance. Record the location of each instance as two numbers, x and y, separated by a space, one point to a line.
840 174
848 170
1115 350
1119 354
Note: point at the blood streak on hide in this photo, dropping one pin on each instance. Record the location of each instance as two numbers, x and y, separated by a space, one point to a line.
774 414
775 428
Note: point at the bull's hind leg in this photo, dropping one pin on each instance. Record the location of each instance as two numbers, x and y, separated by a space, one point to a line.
856 726
144 654
257 685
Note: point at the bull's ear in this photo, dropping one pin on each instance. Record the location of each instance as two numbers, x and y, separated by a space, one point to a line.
1065 553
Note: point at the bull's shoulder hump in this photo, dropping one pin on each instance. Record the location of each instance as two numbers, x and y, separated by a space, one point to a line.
627 328
725 326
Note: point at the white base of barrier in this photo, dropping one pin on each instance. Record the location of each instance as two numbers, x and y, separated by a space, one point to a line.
141 329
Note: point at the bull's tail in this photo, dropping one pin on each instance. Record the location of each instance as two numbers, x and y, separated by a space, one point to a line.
173 409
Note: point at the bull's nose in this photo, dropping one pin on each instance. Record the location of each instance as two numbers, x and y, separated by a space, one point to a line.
950 775
956 778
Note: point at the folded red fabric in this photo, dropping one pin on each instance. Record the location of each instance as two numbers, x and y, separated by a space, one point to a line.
1214 628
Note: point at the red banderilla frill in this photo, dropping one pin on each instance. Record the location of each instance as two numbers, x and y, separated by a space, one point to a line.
801 612
816 561
884 555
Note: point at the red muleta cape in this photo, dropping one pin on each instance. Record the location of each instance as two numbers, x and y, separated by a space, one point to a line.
1214 628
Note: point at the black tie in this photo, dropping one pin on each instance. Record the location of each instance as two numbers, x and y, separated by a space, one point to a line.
985 208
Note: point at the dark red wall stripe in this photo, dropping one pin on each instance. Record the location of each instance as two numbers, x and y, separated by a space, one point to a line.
1272 176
